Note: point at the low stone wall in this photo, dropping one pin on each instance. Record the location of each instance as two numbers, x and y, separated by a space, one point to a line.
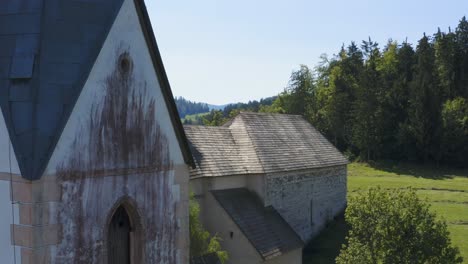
307 199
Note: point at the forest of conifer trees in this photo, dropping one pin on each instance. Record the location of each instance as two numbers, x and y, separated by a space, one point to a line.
186 107
400 102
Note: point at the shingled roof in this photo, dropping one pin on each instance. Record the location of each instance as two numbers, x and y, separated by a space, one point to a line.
260 143
48 48
263 226
217 152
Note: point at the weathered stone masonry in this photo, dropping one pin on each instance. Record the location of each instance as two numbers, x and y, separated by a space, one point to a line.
307 199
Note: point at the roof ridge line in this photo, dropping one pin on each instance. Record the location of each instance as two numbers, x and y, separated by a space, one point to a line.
160 71
251 142
329 142
267 113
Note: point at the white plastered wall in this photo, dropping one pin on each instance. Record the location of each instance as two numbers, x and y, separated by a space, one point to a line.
8 162
9 215
202 186
239 248
125 34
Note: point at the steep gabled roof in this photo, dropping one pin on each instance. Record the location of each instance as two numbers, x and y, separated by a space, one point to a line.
260 143
288 142
263 226
48 48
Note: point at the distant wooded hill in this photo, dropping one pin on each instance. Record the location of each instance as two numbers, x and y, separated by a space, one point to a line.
196 113
186 107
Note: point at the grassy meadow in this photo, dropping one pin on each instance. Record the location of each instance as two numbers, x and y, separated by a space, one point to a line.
445 189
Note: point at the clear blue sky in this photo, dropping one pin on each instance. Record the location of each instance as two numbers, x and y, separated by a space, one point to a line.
220 51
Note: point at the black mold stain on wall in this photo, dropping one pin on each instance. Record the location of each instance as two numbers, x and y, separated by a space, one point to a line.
119 152
122 132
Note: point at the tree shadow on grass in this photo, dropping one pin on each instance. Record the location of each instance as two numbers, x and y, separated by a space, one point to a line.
324 248
427 171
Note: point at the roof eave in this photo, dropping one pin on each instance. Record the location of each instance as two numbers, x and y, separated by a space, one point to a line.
163 81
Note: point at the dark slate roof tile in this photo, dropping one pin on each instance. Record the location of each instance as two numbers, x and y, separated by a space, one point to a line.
76 9
50 93
60 73
52 12
61 32
70 35
47 113
22 66
20 23
19 6
263 226
42 142
27 44
8 43
72 53
4 85
22 119
25 141
20 90
5 63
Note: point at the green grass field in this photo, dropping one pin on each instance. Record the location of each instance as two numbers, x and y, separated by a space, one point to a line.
445 189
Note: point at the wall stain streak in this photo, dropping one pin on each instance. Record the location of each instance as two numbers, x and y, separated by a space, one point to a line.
120 151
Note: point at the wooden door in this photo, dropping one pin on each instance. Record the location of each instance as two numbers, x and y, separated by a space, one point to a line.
119 238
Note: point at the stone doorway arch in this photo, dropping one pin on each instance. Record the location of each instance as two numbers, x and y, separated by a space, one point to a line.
125 238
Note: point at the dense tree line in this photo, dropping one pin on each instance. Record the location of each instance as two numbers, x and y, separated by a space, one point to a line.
251 106
397 102
216 117
186 107
219 117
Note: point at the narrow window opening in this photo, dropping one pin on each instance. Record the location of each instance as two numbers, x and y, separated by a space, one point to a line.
231 234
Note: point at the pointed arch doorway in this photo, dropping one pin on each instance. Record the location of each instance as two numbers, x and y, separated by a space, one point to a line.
124 238
119 237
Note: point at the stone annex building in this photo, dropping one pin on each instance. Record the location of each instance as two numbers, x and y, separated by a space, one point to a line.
267 183
95 164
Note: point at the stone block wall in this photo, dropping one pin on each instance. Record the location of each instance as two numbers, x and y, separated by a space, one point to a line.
308 199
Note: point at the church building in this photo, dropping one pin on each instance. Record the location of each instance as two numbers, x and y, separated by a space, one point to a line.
94 163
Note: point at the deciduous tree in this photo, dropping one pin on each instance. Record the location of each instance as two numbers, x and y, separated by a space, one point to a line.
201 242
390 227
